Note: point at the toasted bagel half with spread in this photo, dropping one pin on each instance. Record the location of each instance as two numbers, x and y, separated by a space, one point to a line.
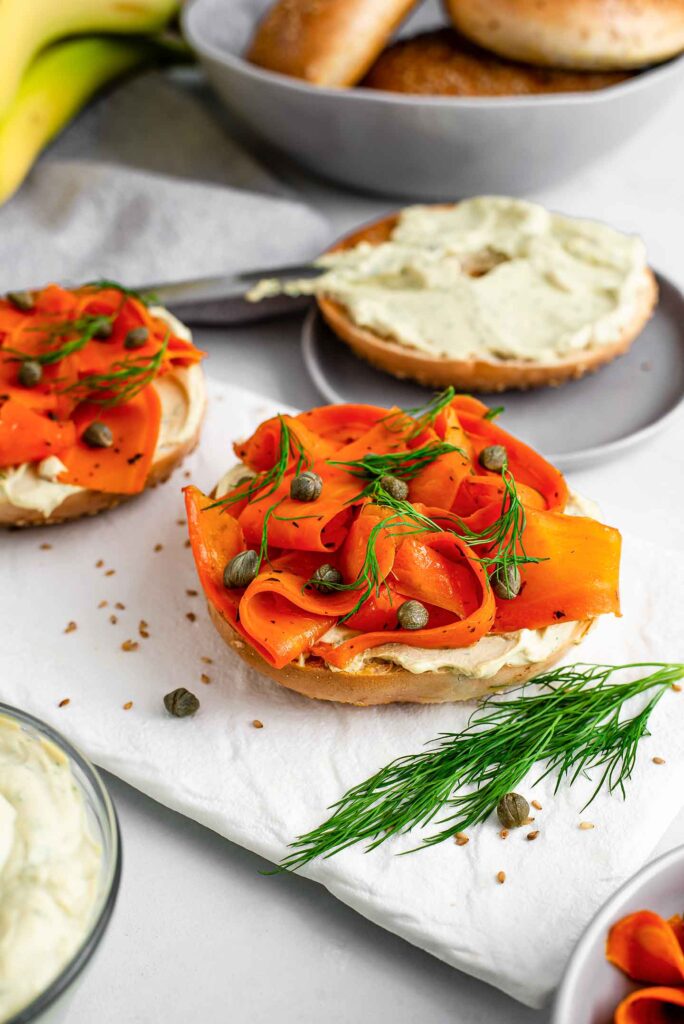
370 556
101 397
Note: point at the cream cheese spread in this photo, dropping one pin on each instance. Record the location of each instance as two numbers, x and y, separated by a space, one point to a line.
181 391
492 277
49 866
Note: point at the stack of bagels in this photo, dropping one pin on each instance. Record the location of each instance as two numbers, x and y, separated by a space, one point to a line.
494 47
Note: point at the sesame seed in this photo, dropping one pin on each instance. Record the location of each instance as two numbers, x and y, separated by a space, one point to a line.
63 703
205 678
121 607
99 563
128 705
45 547
586 825
257 724
70 627
191 593
532 835
501 877
190 616
130 645
461 839
113 619
207 661
103 604
180 522
676 687
187 544
187 474
110 572
537 806
658 760
158 547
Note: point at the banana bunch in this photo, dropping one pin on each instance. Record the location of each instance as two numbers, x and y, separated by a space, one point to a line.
58 54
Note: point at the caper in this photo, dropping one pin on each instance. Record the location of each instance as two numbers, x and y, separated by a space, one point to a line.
413 615
513 810
325 578
181 702
24 301
136 338
506 581
306 486
98 435
30 373
241 570
494 458
104 329
396 488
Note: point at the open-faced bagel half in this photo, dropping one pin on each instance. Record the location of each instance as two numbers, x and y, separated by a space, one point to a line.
583 34
386 683
483 374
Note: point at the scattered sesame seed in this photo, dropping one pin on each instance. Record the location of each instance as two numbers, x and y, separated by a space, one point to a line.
191 593
110 572
130 645
586 825
180 522
257 724
63 703
207 661
658 760
187 544
103 604
99 563
45 547
143 629
121 607
113 619
128 705
676 687
158 547
205 678
190 616
461 839
504 833
537 806
532 835
186 474
501 877
70 627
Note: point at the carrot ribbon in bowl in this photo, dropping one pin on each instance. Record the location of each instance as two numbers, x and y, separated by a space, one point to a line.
69 358
650 950
446 542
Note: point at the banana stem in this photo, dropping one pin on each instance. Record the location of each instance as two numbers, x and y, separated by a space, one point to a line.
56 86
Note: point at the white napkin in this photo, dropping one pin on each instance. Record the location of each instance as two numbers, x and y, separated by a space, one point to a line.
261 787
163 194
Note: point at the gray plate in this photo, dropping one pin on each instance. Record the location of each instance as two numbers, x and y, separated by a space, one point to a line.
591 987
576 425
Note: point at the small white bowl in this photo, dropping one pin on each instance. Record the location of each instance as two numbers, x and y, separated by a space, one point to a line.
52 1005
592 988
419 147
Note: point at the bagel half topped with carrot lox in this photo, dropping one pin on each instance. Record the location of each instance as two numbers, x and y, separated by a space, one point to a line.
367 555
487 294
101 396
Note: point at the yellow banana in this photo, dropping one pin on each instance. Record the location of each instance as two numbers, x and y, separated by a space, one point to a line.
58 83
27 26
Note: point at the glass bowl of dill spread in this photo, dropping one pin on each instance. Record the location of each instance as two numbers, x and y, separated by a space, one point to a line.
60 866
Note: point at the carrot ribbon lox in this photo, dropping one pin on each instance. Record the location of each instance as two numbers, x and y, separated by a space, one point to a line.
442 544
649 950
83 367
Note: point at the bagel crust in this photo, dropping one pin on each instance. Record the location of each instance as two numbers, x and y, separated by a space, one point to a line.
597 35
444 63
325 42
490 375
385 683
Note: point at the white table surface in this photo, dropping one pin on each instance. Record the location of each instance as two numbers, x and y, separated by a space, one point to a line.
198 933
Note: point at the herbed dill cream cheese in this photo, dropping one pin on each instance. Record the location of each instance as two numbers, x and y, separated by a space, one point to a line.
36 486
49 866
491 277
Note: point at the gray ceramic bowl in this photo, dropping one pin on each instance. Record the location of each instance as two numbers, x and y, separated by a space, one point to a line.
591 987
419 147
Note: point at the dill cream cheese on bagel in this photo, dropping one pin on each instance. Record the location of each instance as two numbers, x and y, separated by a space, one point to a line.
492 292
100 397
367 555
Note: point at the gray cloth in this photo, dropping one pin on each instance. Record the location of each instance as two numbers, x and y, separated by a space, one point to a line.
164 194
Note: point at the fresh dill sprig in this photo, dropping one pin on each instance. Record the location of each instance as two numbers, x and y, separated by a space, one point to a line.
573 726
404 464
420 416
492 413
122 382
290 453
84 330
